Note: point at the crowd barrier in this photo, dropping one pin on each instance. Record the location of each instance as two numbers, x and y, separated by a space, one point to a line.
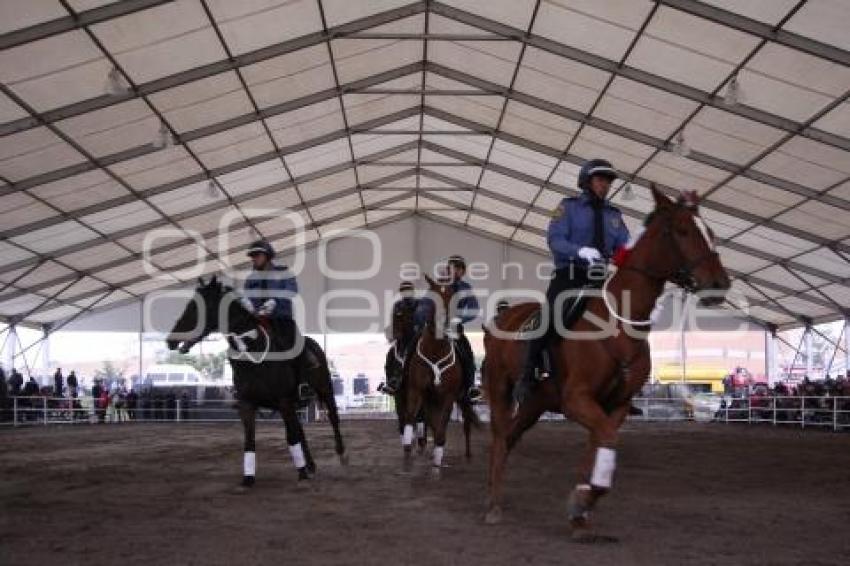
816 412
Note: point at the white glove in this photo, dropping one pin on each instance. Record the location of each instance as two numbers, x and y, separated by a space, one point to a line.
590 255
455 322
267 308
246 304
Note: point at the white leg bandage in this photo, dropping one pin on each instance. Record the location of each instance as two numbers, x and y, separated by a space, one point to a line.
420 430
438 456
603 468
297 456
249 463
407 437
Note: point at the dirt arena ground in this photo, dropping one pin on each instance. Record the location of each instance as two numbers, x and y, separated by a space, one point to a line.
164 494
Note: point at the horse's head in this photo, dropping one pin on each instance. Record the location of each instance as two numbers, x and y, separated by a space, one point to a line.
694 263
199 318
441 292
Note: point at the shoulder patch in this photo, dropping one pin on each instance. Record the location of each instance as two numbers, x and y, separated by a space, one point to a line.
559 210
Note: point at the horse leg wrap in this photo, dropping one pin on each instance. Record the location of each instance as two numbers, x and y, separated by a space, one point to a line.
297 455
420 430
438 456
407 437
603 468
249 464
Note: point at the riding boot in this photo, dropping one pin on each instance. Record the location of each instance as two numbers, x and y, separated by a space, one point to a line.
530 375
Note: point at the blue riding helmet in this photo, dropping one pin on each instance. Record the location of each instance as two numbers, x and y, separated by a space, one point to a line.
595 167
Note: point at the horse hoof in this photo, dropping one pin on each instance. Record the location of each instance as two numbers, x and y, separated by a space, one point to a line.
303 475
247 481
493 516
311 467
343 459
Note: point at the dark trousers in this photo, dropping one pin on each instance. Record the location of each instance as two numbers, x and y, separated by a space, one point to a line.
467 359
564 279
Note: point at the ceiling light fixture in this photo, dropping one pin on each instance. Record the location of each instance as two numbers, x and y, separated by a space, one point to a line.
163 137
679 146
115 84
733 95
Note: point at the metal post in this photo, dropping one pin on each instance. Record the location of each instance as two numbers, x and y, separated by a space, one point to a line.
847 346
803 411
835 414
770 356
178 409
809 352
44 409
774 411
14 411
683 345
141 342
45 350
9 347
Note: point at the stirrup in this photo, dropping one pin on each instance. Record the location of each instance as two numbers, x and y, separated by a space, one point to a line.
541 374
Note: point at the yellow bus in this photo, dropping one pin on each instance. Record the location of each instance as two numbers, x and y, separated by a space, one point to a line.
703 378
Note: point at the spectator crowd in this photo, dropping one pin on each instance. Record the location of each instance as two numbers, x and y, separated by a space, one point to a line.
106 400
813 402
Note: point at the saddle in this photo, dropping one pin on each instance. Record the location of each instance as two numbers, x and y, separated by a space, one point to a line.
573 311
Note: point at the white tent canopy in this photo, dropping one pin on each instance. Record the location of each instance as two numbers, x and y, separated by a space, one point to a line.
119 118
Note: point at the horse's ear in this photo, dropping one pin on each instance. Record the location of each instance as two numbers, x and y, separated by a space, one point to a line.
661 200
214 280
431 283
689 199
201 282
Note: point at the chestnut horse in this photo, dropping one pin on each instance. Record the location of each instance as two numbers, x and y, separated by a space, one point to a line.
261 380
433 379
597 376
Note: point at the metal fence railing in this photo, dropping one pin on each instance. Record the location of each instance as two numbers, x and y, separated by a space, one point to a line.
817 412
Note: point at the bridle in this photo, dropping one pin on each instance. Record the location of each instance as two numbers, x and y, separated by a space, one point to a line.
682 275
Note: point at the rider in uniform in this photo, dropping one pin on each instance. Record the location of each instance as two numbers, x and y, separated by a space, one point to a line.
584 232
269 289
407 303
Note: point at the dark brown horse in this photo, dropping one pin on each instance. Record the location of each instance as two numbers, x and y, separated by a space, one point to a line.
433 379
261 379
403 334
597 378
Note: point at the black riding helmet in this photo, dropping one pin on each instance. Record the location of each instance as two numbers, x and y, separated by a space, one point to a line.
405 286
261 247
595 167
458 261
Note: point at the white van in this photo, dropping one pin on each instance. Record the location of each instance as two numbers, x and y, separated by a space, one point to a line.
172 375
